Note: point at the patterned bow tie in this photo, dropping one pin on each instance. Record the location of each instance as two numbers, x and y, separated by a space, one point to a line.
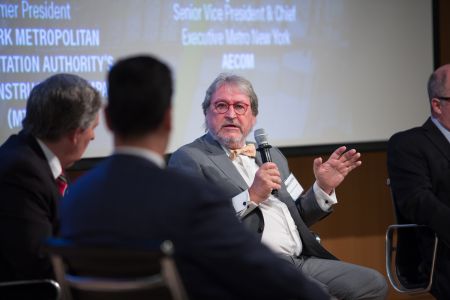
248 150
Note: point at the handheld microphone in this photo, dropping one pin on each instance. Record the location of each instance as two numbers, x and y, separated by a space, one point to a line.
263 149
263 145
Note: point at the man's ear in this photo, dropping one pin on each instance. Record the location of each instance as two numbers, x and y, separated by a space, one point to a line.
253 121
436 106
74 134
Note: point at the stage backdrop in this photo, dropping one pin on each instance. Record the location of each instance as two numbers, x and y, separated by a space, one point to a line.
325 71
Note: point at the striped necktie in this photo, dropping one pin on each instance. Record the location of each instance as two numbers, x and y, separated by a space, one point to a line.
61 182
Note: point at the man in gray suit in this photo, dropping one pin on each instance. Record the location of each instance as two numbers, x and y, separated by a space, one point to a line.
280 219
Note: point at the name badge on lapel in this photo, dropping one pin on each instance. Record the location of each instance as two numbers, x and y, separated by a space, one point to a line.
293 186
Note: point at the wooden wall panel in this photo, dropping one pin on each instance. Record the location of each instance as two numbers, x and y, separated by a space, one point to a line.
355 231
443 33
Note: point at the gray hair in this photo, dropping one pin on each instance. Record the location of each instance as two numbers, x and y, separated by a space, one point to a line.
60 104
240 82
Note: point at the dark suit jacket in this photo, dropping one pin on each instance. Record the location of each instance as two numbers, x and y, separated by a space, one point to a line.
206 158
28 200
128 198
419 170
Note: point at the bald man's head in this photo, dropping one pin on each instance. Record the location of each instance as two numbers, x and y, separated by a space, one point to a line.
439 95
439 83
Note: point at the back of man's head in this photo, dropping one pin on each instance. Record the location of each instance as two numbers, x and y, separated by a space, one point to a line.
59 105
139 94
439 83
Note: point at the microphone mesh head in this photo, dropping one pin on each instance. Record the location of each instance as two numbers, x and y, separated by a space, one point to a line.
261 137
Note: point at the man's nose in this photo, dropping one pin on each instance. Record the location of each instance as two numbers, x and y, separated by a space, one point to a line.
230 112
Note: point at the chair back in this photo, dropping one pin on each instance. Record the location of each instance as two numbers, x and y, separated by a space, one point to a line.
90 272
410 254
42 289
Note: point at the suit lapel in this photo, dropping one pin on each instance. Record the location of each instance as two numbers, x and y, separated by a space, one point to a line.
34 145
437 138
220 158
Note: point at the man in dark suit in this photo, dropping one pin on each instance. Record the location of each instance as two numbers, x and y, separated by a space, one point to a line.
419 171
62 112
130 197
280 219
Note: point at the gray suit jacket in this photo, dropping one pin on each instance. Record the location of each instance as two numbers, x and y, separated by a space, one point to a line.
205 158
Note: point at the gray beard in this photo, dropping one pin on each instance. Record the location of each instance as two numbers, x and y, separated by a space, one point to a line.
230 143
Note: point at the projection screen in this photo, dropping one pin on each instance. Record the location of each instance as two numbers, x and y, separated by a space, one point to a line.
325 71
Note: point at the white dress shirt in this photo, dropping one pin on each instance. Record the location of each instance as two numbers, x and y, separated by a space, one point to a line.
280 232
52 159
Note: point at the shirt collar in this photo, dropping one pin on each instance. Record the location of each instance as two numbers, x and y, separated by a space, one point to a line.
227 151
444 130
141 152
52 159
